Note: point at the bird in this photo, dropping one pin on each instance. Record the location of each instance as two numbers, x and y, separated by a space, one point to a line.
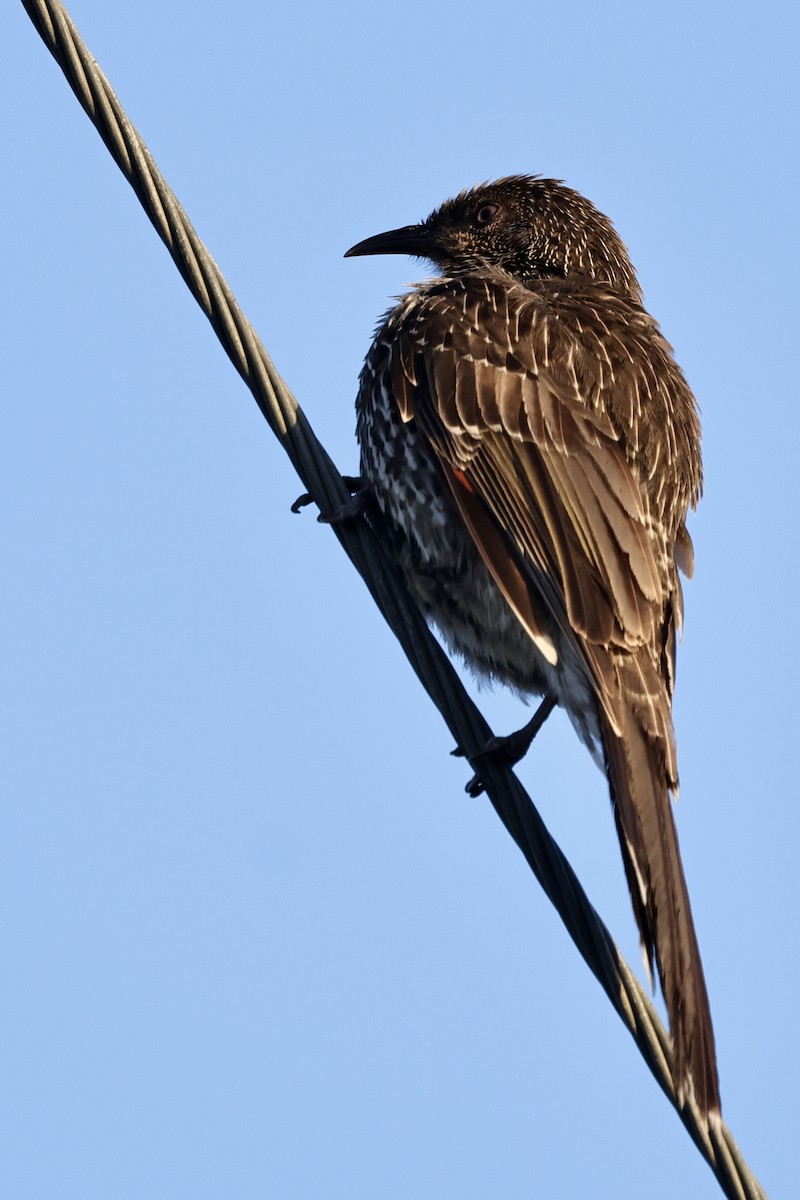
533 450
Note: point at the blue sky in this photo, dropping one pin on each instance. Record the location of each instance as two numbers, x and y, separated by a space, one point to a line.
256 941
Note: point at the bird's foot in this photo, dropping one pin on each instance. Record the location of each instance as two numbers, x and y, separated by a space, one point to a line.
356 506
510 749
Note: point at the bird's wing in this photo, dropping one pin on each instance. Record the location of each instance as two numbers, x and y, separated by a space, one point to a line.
517 402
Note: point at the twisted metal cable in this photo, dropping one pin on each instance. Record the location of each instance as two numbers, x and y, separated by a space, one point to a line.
437 675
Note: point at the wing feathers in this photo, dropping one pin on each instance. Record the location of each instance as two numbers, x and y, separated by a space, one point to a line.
505 570
478 357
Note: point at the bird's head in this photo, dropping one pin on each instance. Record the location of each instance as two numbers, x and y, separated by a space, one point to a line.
533 228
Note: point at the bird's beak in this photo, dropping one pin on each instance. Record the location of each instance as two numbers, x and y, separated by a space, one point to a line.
417 240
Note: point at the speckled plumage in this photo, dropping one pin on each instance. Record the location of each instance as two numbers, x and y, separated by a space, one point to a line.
534 448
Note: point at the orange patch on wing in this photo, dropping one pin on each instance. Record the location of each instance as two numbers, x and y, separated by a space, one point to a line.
462 479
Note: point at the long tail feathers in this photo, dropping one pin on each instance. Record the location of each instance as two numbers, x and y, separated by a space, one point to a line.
642 777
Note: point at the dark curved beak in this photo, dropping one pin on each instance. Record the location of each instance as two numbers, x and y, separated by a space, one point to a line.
417 240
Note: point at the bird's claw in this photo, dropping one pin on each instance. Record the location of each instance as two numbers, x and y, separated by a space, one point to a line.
508 750
302 502
501 749
356 506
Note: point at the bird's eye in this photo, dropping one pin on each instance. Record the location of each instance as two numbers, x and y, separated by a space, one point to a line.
486 213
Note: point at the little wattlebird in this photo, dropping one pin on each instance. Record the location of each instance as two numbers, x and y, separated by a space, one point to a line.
534 449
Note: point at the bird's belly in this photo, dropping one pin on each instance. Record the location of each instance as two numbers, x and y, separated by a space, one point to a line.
444 570
449 579
463 601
